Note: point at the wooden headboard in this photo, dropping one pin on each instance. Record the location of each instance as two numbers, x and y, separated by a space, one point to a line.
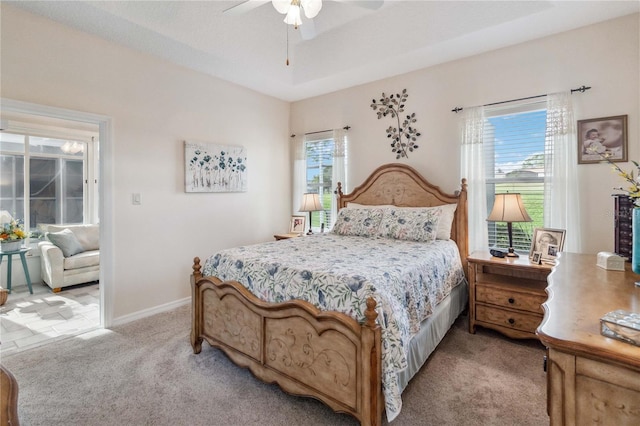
401 185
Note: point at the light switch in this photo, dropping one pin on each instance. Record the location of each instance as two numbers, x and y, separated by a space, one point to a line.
135 199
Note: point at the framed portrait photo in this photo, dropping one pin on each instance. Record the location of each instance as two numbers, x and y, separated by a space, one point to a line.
598 137
536 257
546 242
297 224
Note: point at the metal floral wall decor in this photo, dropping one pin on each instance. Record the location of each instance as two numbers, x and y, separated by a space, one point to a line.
393 105
215 168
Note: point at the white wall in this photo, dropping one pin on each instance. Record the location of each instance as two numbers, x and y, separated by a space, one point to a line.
604 56
154 107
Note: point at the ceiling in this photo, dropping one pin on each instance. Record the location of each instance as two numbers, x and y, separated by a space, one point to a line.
353 44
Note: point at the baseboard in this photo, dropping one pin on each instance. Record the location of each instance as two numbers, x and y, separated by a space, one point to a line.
151 311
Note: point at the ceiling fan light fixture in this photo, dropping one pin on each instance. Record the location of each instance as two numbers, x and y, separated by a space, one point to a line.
291 8
293 16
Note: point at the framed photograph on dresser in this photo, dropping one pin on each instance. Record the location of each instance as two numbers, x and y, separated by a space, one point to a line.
535 259
297 224
546 243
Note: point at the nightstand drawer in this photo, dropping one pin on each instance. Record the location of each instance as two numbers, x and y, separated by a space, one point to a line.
509 319
510 299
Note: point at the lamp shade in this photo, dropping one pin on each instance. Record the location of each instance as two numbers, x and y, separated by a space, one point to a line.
509 208
310 203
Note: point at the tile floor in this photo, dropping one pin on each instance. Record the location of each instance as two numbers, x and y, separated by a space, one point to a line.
30 320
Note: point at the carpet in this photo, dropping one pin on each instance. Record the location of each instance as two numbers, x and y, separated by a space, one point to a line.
145 373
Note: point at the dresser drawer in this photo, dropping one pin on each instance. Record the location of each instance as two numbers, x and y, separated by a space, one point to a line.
511 299
502 317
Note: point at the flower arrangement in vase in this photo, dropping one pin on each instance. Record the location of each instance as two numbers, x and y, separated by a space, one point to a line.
12 234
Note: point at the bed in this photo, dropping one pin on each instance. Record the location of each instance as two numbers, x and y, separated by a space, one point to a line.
347 327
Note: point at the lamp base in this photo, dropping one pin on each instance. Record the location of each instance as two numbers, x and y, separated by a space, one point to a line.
310 229
512 253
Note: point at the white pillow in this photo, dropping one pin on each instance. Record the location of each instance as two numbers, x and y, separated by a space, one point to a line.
446 221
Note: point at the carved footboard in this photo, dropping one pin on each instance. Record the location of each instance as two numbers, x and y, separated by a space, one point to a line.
324 355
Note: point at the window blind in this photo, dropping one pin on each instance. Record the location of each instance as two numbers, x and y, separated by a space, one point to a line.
514 141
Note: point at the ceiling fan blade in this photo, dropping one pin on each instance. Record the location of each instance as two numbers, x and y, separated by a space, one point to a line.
367 4
244 7
307 29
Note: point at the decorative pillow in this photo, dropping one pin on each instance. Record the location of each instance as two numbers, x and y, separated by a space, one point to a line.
66 241
411 224
445 222
358 222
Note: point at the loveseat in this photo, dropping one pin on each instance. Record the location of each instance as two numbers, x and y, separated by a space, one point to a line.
70 255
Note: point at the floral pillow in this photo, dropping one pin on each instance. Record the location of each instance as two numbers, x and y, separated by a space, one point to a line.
408 224
358 222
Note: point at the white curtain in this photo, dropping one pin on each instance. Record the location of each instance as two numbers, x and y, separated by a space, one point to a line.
299 171
562 201
339 169
472 167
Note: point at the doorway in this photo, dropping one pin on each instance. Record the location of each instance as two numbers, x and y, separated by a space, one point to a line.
101 125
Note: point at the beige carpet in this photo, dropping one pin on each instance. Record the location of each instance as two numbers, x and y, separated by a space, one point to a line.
145 373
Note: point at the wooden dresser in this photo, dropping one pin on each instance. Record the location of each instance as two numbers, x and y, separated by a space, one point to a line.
591 379
506 294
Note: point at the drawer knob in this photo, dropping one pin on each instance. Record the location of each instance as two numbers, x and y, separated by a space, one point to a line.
511 300
511 321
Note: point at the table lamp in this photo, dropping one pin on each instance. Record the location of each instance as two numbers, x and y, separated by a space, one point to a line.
310 203
509 208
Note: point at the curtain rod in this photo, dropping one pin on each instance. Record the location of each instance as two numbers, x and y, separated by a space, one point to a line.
321 131
580 89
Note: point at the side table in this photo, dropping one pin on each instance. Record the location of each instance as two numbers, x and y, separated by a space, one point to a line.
279 237
21 252
506 294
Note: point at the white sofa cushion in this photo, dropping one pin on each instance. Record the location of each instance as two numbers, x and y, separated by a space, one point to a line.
82 260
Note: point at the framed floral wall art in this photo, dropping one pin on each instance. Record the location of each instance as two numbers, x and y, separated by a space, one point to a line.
600 137
215 168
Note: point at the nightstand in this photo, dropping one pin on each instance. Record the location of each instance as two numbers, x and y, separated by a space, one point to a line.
285 236
506 294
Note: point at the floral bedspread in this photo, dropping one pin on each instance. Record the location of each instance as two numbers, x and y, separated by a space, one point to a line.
336 272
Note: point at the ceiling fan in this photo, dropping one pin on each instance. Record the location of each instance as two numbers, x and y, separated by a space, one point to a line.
307 31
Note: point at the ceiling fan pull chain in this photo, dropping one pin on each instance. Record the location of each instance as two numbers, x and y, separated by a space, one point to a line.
287 45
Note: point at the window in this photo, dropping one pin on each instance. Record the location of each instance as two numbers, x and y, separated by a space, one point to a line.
55 173
325 162
514 140
319 159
